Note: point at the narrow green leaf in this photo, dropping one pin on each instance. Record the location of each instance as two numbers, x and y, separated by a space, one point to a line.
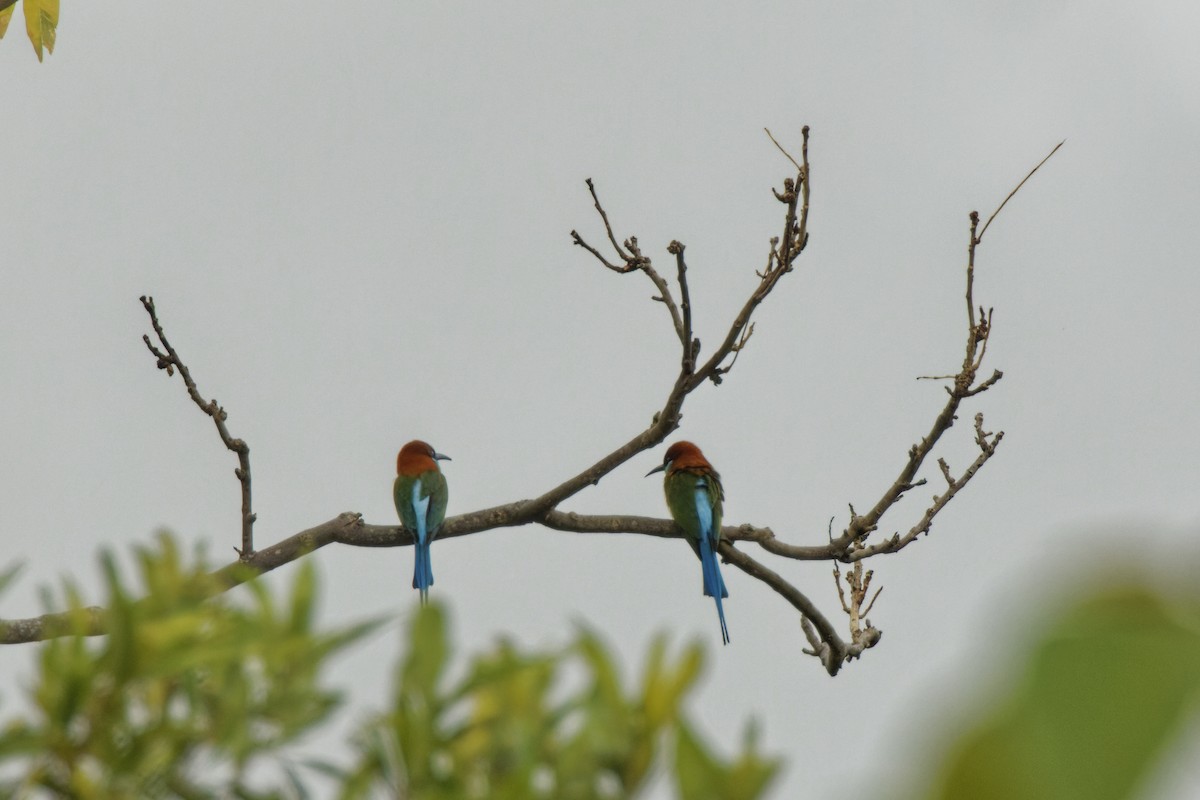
428 651
41 23
750 774
303 598
10 574
697 774
6 11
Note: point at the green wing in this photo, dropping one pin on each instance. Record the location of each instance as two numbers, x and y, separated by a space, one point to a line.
716 496
433 485
680 489
402 496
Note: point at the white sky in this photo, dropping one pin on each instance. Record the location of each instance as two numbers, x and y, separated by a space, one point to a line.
355 220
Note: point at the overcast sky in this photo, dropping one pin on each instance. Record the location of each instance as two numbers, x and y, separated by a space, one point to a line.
355 221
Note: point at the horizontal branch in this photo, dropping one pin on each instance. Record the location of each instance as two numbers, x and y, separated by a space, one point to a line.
344 528
349 529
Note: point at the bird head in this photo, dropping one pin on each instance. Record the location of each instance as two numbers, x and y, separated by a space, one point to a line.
679 456
417 457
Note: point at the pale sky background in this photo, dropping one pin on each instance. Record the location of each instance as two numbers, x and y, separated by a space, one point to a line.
355 221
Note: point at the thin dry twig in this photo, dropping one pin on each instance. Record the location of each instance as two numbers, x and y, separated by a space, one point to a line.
871 604
979 330
851 546
827 645
775 142
691 346
168 359
634 260
1017 189
858 582
795 197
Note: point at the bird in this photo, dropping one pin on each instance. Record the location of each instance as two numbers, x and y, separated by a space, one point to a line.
421 493
694 495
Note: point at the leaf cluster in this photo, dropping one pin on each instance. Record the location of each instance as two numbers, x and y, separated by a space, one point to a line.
41 22
182 697
200 693
561 725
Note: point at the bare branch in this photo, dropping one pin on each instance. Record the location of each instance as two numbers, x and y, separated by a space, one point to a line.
795 196
987 384
667 419
1014 191
897 542
837 582
607 226
349 529
577 239
785 152
859 584
972 244
981 437
871 604
978 332
92 621
828 646
89 621
850 547
691 347
168 359
632 255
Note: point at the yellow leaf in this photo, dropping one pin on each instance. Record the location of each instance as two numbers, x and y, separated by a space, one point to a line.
41 20
5 16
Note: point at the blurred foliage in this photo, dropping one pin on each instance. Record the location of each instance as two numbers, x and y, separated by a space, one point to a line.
181 696
1107 689
41 22
511 730
198 694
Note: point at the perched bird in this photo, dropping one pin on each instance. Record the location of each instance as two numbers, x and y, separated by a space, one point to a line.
694 495
420 493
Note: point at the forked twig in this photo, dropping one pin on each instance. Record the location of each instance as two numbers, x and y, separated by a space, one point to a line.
168 359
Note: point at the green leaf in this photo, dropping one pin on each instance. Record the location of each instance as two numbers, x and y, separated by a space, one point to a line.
6 11
41 22
9 575
665 688
120 643
303 598
751 774
697 774
181 695
701 775
428 652
1106 690
606 680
